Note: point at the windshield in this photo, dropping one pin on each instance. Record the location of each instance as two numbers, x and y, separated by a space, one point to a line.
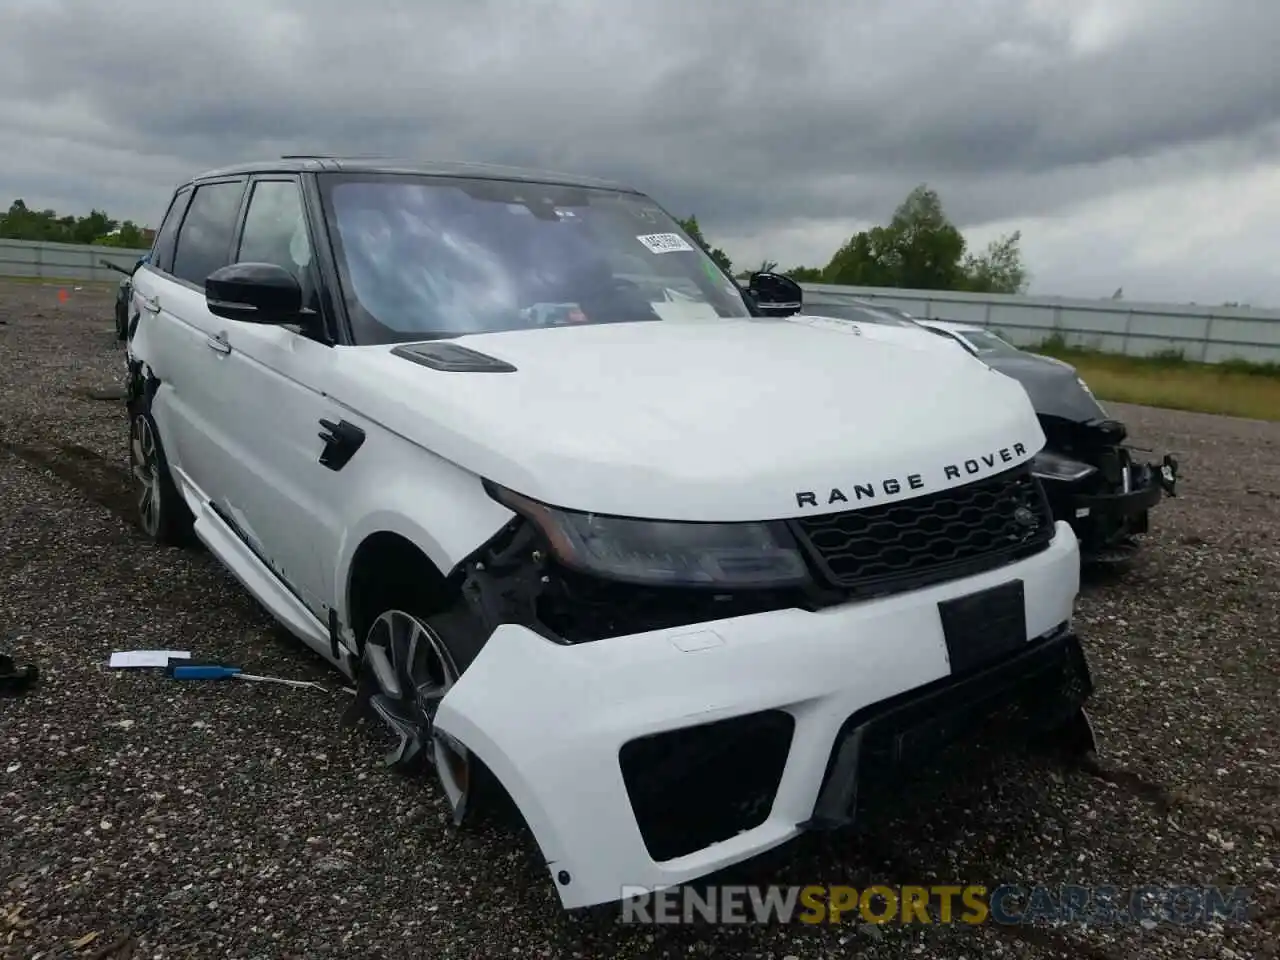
988 344
843 310
423 257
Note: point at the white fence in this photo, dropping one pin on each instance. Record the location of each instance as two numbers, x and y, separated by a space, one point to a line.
62 261
1209 334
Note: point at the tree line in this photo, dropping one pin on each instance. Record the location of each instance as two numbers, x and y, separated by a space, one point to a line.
20 222
919 249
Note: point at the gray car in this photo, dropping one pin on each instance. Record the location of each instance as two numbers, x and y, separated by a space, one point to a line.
1091 477
1090 474
124 293
844 307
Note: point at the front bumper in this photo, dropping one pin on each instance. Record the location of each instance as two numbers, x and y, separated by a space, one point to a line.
1040 689
1105 520
585 737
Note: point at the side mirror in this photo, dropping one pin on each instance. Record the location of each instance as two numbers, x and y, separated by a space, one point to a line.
775 295
255 293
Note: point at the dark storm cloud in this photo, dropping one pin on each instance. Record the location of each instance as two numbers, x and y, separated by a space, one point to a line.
748 113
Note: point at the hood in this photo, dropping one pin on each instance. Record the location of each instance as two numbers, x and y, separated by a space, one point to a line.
730 420
1054 387
911 338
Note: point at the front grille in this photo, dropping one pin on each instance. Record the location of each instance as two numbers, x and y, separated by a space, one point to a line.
695 786
929 539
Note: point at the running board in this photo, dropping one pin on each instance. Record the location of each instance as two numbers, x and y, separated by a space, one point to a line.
258 579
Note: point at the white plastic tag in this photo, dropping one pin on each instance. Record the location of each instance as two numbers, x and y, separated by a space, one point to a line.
664 243
686 310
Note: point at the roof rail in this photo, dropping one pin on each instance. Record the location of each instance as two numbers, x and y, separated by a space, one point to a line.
334 156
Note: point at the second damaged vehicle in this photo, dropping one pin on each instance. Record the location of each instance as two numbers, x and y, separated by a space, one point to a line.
587 523
124 295
1091 476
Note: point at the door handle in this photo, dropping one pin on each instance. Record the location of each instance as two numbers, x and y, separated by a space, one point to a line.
218 343
150 304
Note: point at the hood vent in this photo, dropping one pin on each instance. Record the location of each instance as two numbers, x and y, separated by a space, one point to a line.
451 358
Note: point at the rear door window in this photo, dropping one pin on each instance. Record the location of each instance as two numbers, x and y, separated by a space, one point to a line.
204 242
162 248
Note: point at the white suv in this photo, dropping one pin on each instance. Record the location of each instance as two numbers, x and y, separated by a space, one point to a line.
672 567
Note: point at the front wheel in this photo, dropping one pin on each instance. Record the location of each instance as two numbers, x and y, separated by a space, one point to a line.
409 664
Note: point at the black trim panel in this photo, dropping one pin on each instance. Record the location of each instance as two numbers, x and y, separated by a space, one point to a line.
1119 504
451 358
341 442
333 633
980 627
1042 686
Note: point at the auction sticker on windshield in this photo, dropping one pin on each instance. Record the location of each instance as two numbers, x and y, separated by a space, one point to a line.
664 243
688 310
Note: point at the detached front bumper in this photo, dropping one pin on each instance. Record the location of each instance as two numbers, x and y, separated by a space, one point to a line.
1105 522
649 760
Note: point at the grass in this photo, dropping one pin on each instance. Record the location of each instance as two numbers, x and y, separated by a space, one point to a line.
1236 388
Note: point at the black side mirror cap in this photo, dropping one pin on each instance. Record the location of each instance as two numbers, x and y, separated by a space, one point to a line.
775 295
255 293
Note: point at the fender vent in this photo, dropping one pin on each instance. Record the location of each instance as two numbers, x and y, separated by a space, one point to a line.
451 358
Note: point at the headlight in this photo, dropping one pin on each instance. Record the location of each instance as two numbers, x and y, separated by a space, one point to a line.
1054 466
677 553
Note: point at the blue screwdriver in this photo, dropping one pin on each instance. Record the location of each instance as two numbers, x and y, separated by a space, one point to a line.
216 671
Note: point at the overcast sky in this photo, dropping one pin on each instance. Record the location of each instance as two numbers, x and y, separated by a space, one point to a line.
1135 143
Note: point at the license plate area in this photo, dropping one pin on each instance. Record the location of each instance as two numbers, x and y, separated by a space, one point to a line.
981 627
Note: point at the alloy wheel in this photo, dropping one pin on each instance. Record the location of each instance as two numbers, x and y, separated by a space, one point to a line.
145 457
407 671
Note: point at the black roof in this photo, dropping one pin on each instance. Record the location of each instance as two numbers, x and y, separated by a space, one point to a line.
320 163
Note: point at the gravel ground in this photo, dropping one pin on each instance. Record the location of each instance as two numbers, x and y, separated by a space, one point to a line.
143 817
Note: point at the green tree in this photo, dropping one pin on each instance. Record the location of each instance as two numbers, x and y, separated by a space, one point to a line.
805 274
919 249
20 222
88 229
129 235
997 270
864 260
690 226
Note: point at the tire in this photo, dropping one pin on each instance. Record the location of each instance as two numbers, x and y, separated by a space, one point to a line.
122 320
404 653
163 514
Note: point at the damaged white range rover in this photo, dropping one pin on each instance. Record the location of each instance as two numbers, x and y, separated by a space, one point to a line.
672 567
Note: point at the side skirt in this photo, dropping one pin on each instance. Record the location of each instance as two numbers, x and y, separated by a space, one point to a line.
260 580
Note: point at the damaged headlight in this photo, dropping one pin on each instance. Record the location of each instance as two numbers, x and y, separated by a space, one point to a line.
677 553
1054 466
